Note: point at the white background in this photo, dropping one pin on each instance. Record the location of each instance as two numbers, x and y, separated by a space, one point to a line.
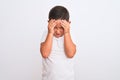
95 28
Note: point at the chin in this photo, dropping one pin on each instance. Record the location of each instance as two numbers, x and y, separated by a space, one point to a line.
57 36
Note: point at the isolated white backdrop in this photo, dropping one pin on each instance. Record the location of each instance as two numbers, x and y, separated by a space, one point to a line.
95 28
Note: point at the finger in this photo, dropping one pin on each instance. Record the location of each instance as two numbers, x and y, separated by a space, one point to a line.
53 24
51 21
63 23
66 22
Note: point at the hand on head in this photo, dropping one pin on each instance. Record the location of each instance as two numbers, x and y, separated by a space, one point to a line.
52 23
66 25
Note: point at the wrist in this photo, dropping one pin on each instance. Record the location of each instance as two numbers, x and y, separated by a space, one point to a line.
66 33
50 32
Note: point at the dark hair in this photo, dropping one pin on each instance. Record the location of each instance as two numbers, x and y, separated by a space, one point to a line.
59 12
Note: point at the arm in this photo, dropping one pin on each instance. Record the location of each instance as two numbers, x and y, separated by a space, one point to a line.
46 46
69 46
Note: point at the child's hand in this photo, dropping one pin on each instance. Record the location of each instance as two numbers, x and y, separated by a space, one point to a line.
66 25
51 25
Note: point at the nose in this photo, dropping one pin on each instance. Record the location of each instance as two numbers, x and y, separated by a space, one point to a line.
58 31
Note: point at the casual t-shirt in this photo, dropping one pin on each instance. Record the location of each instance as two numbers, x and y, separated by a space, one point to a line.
57 66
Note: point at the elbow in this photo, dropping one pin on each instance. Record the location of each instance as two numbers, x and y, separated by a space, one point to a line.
71 54
44 52
44 55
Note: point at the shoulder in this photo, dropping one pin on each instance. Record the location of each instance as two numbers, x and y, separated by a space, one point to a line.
43 36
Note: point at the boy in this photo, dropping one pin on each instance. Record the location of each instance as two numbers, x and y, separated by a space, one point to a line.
57 47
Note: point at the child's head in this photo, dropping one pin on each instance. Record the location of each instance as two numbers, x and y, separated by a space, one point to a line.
59 12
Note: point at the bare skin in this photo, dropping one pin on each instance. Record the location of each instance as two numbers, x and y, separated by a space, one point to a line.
69 46
58 28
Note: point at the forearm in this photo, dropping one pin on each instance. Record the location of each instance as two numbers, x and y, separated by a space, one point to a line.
69 46
46 46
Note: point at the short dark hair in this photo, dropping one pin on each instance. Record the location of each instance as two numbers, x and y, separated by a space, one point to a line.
59 12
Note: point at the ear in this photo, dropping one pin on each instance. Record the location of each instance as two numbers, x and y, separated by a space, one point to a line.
48 20
69 21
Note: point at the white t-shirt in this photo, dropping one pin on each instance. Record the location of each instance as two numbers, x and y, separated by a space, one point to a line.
57 66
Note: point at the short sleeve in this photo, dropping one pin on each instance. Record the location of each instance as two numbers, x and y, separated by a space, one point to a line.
44 35
75 40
